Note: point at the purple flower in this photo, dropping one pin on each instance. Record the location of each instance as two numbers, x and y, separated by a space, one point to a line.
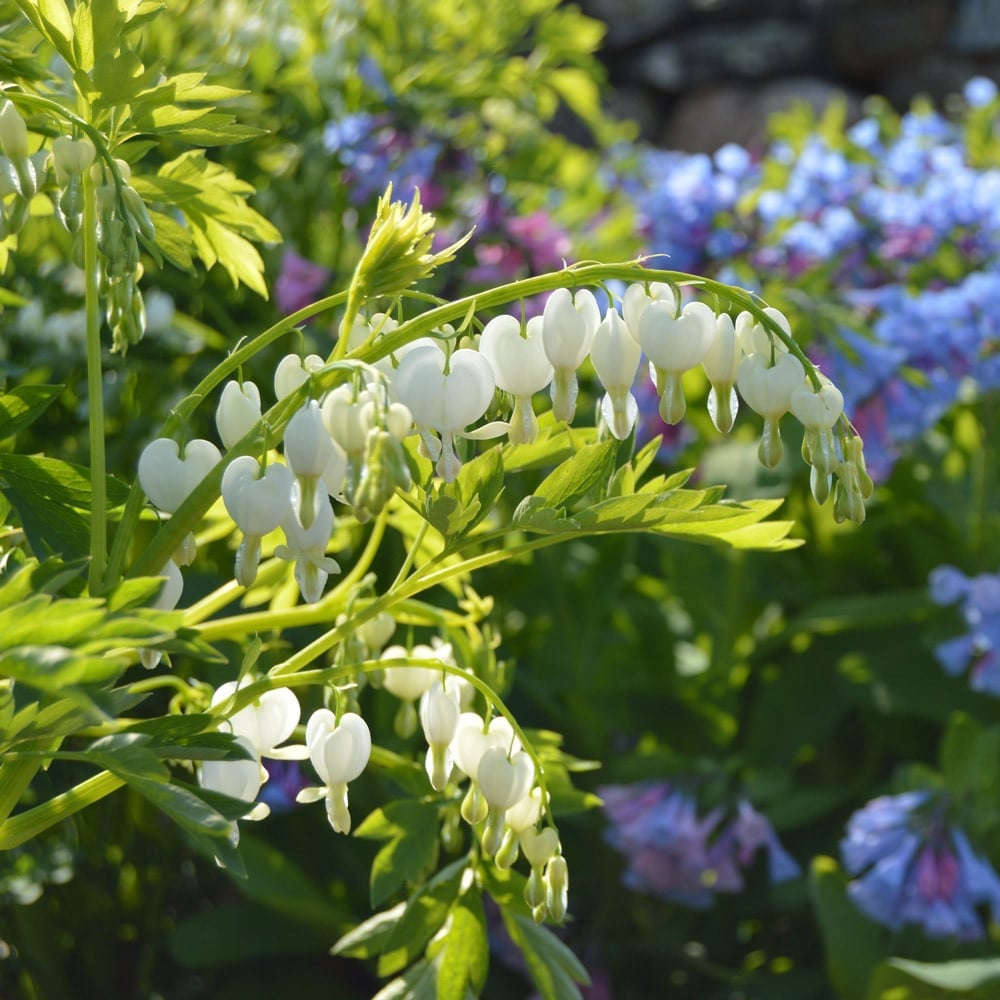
285 779
673 853
299 283
977 649
910 866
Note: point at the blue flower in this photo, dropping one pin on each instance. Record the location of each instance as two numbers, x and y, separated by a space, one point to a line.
910 866
673 853
979 91
978 649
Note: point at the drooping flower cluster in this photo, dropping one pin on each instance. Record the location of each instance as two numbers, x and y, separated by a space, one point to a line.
870 220
503 802
978 649
259 727
348 444
911 866
674 853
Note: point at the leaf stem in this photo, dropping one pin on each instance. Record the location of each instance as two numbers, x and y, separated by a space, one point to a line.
30 823
95 390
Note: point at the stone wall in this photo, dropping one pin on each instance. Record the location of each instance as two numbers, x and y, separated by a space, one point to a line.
698 73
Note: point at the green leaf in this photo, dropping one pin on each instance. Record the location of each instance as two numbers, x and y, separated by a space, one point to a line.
52 18
970 756
554 969
465 956
534 514
457 507
902 979
411 829
417 983
56 668
591 467
425 913
53 479
851 942
23 405
242 932
369 938
173 240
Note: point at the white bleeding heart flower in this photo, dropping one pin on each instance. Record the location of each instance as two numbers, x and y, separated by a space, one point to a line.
307 445
266 722
637 298
293 371
311 455
767 389
753 336
409 683
818 411
503 780
674 345
166 600
339 751
444 394
615 355
721 364
237 412
239 779
167 478
257 504
569 323
347 418
520 366
439 714
306 546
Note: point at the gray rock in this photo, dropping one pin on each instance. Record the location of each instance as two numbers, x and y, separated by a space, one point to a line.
977 27
865 39
632 21
710 117
747 50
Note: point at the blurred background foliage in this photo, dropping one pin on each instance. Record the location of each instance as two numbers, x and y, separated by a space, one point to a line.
806 682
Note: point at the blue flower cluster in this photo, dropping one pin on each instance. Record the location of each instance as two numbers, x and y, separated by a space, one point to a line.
911 866
978 649
674 854
867 223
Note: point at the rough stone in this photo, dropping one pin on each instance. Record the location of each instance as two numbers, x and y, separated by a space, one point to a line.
746 50
708 118
695 74
865 39
977 27
633 21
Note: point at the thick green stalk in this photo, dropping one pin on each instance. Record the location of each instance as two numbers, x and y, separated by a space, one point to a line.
95 390
32 822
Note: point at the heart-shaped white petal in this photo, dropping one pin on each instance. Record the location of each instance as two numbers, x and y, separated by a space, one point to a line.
504 781
338 751
238 411
257 505
447 402
292 371
768 389
539 846
676 344
166 478
817 410
518 362
569 323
